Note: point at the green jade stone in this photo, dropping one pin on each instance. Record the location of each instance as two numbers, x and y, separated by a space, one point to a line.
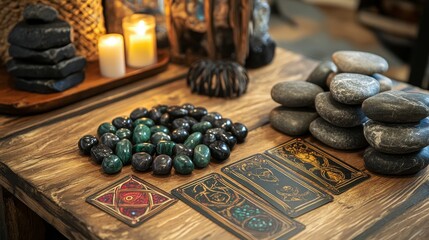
111 164
193 140
144 147
144 120
201 127
123 133
159 128
183 164
124 151
201 156
165 147
105 128
141 134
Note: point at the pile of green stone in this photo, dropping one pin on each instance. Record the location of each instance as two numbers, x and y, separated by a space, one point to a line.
183 137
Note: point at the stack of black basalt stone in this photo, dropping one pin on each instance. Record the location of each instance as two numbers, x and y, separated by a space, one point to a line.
44 59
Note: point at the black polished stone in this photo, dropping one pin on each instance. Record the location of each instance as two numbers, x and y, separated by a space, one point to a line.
49 85
228 138
179 135
141 161
99 152
158 137
162 165
181 123
188 106
240 131
180 149
155 114
139 113
49 56
165 120
110 140
123 122
86 143
216 131
198 113
177 112
209 138
261 52
190 120
219 150
211 117
161 107
224 123
40 12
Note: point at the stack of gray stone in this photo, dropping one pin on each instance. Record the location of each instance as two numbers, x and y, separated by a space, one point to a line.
43 57
398 132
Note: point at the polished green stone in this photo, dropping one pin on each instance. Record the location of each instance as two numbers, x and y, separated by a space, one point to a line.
144 147
193 140
105 128
201 127
111 164
183 164
141 133
201 156
159 128
165 147
123 133
124 151
144 120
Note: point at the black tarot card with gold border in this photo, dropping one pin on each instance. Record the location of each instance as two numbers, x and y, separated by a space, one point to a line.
235 210
317 165
279 186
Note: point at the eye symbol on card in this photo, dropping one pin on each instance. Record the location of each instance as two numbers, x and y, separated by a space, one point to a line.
213 195
290 193
256 170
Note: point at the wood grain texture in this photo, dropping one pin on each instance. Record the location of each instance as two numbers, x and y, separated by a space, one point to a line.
44 169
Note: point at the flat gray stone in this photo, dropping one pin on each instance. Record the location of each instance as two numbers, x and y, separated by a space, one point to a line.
295 93
32 71
292 121
338 114
397 107
352 88
321 73
41 36
397 138
386 83
40 12
359 62
49 85
337 137
53 55
389 164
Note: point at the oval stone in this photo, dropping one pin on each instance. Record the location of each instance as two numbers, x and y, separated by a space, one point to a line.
123 122
99 152
183 164
295 93
86 143
397 138
165 147
359 62
338 114
141 134
396 107
124 150
224 123
321 73
181 123
180 149
123 133
386 83
292 121
105 128
209 138
201 156
145 121
193 140
159 128
165 120
158 137
337 137
111 164
352 88
227 138
155 115
389 164
141 161
211 117
198 113
162 165
219 151
240 131
201 127
139 113
144 147
110 140
179 135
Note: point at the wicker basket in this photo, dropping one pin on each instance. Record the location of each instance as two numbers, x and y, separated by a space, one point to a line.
85 17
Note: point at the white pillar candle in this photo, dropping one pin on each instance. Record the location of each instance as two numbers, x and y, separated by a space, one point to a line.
111 55
140 40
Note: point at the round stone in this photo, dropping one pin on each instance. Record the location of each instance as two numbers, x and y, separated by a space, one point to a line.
201 127
295 93
209 138
397 138
224 123
159 128
145 147
320 74
177 112
162 108
359 62
183 164
193 140
201 156
165 120
338 114
123 133
292 121
352 88
111 164
219 151
165 147
141 161
158 137
227 138
198 113
211 117
389 164
99 152
240 131
180 149
124 150
386 83
86 143
337 137
162 165
179 135
110 140
139 113
155 114
396 107
192 121
145 121
123 122
181 123
105 128
141 133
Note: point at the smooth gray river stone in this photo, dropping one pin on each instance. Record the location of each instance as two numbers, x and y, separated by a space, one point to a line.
292 121
352 88
359 62
295 93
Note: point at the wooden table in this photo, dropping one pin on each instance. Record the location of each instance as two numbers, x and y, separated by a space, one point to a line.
41 165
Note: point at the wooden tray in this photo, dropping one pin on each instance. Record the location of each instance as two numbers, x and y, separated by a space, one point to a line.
17 102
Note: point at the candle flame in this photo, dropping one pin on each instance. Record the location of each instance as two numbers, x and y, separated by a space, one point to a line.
140 27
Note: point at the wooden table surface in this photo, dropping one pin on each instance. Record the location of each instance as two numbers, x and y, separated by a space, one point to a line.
41 165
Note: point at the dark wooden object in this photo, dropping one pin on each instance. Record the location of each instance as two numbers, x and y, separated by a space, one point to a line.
43 168
13 101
